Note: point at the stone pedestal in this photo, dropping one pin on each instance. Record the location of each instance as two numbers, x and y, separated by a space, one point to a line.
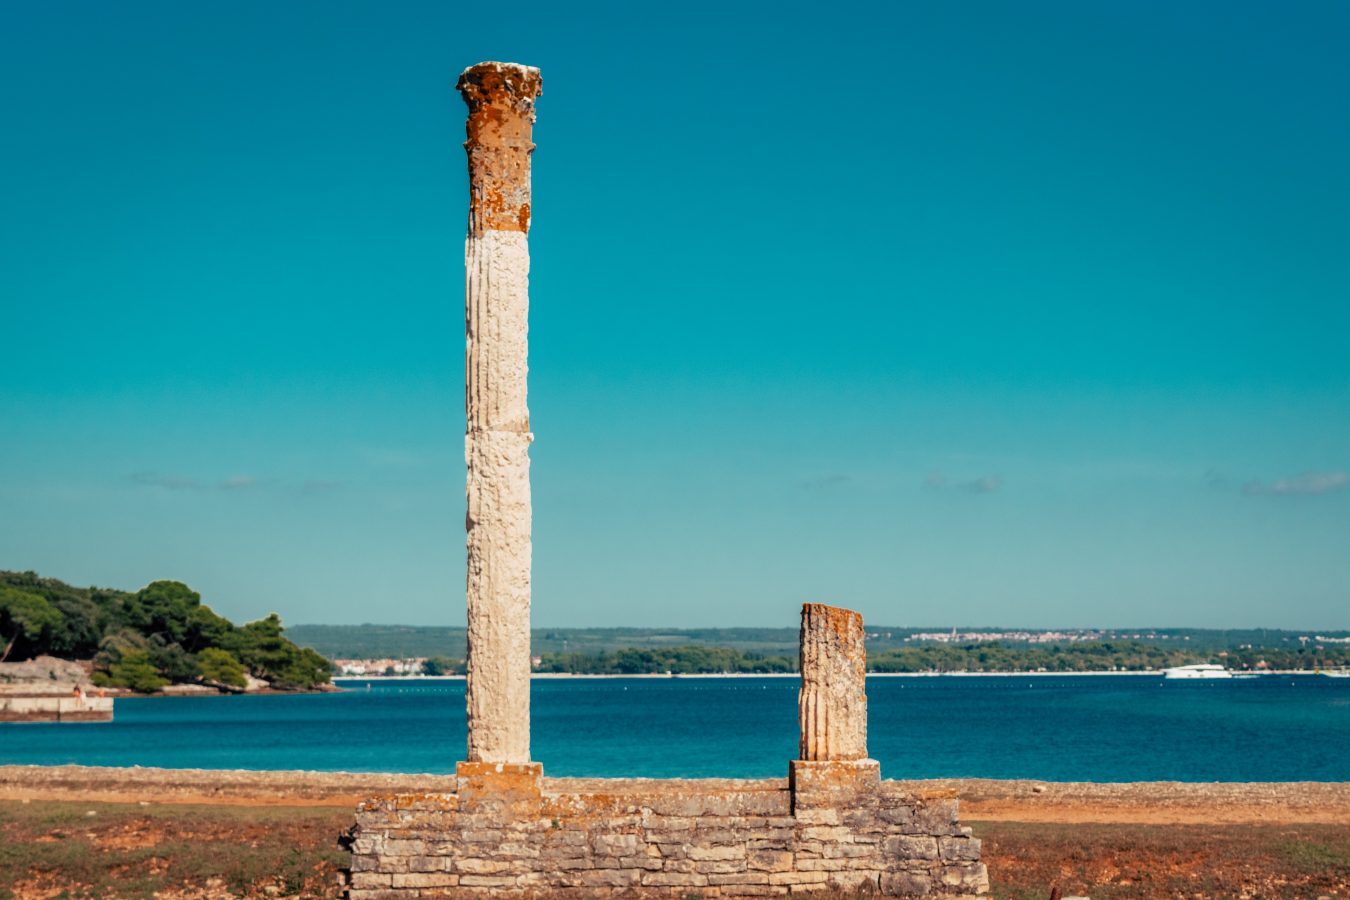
832 784
499 788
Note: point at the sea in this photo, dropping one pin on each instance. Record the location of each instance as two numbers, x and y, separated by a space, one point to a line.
1053 728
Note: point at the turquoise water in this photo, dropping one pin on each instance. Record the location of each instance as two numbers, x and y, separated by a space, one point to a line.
1102 728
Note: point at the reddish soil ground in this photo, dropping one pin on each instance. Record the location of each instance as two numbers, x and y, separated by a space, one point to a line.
78 832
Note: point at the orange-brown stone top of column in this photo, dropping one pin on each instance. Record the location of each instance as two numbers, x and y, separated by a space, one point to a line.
844 622
501 118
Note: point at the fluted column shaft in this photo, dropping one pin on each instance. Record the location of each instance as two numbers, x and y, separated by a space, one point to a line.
501 98
832 705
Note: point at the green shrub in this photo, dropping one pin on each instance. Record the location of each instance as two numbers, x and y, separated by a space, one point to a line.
221 667
136 671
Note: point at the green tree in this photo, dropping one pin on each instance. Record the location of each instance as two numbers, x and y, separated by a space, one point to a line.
221 667
116 644
137 671
161 608
172 661
441 665
305 669
260 646
206 629
78 634
27 617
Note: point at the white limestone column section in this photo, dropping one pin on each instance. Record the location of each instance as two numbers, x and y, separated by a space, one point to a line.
498 495
501 99
832 703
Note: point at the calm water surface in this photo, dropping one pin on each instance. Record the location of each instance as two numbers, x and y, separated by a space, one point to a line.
1102 728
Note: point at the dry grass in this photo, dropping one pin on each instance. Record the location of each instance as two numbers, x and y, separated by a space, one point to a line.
56 849
104 850
1137 861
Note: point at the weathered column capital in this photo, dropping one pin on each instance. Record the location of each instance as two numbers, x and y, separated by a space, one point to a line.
501 99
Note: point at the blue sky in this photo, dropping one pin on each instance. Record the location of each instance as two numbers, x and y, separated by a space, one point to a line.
985 313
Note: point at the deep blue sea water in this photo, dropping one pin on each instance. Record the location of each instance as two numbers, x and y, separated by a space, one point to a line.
1101 728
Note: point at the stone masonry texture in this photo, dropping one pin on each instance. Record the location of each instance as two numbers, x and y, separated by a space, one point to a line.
501 98
641 837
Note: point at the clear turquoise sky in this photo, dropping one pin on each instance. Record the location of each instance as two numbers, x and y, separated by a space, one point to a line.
1028 313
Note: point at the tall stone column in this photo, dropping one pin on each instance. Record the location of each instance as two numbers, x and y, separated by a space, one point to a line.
832 704
501 98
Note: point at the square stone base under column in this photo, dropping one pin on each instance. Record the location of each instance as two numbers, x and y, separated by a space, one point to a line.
832 784
499 786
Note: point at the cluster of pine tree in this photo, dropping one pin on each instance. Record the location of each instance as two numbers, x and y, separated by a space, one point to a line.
146 639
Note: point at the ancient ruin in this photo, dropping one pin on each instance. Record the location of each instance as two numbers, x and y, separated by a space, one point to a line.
497 436
832 823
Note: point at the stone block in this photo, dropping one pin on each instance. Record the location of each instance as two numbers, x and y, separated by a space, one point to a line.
487 881
905 884
739 878
618 878
725 852
795 878
832 784
367 880
394 847
615 844
937 817
849 851
827 834
512 789
674 879
365 862
821 865
970 877
428 863
907 847
756 890
959 848
827 815
769 860
855 881
425 880
481 866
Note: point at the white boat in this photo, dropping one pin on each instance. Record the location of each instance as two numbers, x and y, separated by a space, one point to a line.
1336 673
1203 670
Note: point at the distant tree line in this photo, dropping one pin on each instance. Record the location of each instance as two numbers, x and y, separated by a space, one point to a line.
687 660
405 641
146 639
1093 656
442 665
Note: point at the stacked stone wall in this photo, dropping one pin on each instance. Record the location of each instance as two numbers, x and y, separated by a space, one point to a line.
708 838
